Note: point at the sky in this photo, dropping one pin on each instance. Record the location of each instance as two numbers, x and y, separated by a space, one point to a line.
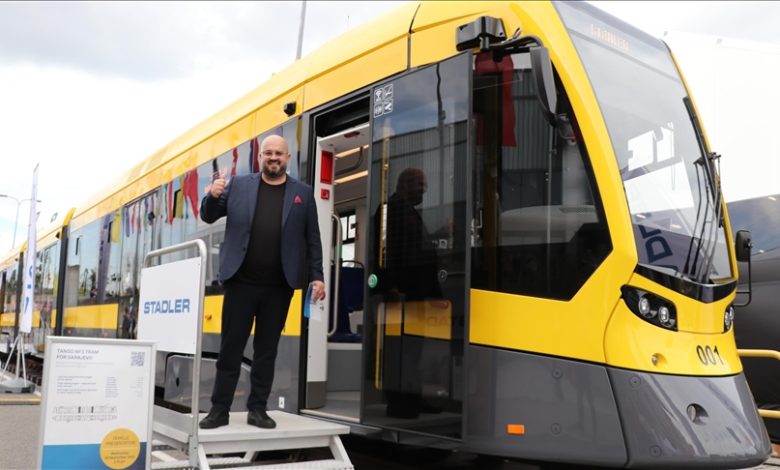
88 89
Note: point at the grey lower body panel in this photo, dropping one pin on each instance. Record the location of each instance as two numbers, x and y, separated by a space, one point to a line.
689 422
567 408
592 414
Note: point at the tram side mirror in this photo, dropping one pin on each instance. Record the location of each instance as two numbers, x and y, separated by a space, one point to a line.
541 66
742 245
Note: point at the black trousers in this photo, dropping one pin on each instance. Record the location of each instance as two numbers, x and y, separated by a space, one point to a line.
267 306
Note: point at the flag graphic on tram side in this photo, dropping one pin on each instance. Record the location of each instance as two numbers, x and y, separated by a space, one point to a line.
25 323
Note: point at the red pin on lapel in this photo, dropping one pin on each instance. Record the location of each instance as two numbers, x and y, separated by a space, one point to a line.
297 200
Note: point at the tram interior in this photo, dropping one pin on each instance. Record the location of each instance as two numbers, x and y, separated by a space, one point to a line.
344 346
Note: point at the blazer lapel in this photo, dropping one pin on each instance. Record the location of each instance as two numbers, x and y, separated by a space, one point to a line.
289 194
254 187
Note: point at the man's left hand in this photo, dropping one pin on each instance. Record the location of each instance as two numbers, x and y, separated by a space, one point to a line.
318 292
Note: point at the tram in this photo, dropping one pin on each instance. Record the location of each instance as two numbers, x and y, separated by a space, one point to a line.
528 248
49 274
9 269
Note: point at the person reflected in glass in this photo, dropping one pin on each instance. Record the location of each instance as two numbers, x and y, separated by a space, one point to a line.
410 253
411 267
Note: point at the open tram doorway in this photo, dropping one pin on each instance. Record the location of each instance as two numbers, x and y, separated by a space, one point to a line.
334 342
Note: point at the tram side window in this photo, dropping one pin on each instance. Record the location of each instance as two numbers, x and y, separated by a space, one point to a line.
541 229
11 283
3 283
140 233
46 281
83 251
235 163
109 257
170 224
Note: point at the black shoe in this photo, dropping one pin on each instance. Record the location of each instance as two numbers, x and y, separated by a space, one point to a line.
260 419
217 417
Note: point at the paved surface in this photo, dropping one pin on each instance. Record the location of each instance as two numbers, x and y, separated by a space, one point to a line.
19 436
19 429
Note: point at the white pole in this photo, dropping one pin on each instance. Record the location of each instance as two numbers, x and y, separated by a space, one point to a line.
300 30
16 224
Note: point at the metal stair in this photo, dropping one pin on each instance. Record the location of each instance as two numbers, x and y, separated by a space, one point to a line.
291 432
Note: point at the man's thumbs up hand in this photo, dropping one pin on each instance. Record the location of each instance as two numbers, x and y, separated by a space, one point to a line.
217 187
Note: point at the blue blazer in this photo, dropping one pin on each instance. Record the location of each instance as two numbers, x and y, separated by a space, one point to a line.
300 227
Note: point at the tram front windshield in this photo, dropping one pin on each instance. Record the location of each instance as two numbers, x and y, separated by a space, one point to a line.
677 224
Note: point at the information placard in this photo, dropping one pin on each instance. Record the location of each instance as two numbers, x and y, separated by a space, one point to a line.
168 305
97 400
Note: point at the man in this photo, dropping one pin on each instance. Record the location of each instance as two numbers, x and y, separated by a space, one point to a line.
271 225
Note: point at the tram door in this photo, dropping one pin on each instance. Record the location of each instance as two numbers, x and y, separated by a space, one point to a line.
415 310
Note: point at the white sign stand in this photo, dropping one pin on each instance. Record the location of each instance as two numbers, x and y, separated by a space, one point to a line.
96 408
171 314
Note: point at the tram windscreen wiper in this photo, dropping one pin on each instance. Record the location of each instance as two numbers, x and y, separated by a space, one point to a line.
707 239
706 157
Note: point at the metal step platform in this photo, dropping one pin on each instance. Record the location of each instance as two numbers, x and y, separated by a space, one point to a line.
291 432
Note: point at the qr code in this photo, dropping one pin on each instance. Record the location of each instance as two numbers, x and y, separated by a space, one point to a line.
137 359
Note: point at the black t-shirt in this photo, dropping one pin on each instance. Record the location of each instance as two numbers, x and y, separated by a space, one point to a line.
263 261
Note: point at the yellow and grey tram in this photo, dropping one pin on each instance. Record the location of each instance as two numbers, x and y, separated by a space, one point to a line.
528 253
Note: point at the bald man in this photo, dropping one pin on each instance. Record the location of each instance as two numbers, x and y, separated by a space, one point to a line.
271 227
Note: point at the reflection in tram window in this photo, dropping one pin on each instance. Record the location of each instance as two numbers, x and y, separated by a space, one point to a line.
83 263
410 254
418 239
541 230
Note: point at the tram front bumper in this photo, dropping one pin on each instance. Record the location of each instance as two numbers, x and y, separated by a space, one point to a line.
688 422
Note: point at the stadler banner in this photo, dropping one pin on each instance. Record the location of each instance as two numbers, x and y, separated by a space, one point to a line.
168 305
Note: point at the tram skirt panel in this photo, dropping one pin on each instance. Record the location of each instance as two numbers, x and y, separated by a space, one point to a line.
566 409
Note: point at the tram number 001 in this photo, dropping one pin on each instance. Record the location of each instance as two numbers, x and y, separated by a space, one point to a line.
709 356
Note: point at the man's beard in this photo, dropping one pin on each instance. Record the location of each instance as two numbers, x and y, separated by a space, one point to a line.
275 174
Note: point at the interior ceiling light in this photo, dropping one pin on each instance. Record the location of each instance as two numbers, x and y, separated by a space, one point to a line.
351 151
351 177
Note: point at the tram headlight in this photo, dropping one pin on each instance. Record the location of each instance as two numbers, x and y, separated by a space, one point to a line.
650 307
728 318
644 307
663 314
